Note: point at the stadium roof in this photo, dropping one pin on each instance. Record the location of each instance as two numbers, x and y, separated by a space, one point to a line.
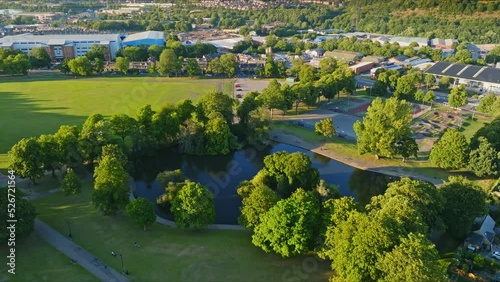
462 71
145 35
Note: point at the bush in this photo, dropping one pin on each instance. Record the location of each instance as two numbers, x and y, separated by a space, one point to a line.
168 176
479 262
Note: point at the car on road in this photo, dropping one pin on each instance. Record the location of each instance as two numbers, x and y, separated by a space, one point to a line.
239 89
496 255
239 96
237 85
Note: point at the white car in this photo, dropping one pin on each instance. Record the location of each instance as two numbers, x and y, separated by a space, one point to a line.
496 255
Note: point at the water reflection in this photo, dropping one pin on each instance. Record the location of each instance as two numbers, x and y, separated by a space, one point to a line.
222 174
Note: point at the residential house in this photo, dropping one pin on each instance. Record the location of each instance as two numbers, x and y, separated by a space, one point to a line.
482 238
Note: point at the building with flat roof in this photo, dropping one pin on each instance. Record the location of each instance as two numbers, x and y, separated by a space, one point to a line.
62 46
145 38
406 41
486 79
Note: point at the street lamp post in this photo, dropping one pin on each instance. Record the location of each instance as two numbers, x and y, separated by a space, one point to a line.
69 228
123 268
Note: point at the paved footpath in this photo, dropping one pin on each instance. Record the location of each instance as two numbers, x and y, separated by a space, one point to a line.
76 253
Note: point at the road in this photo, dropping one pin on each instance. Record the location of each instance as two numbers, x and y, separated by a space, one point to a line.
77 254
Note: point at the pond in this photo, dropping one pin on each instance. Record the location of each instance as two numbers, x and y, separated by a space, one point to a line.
222 175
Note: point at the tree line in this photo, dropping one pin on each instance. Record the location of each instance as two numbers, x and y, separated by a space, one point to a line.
292 212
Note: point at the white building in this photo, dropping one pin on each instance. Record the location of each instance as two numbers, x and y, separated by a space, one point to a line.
61 46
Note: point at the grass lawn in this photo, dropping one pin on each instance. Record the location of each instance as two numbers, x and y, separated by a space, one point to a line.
39 105
169 254
37 261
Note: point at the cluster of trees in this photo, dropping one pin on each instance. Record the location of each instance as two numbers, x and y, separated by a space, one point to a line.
226 64
481 155
292 212
332 78
13 62
204 128
432 21
25 215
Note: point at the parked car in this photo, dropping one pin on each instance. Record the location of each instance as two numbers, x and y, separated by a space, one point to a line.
239 89
237 85
239 96
496 255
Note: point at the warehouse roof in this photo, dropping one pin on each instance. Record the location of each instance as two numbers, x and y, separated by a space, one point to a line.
470 72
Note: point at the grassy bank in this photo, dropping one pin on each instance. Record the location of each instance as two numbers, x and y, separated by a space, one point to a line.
169 254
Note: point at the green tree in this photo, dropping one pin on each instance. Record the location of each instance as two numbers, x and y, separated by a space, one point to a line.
169 64
290 227
98 65
253 208
424 197
216 102
111 189
484 160
96 52
141 211
193 207
430 97
93 136
457 97
270 67
464 202
355 254
122 125
415 259
68 145
490 131
135 53
64 66
16 64
39 57
122 64
379 88
405 87
26 159
248 104
450 151
327 65
385 126
419 95
71 183
429 80
286 172
486 104
25 214
219 139
192 67
444 83
184 109
81 66
49 153
307 74
272 97
155 51
229 63
325 127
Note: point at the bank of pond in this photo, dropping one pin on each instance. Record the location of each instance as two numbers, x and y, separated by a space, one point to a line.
223 174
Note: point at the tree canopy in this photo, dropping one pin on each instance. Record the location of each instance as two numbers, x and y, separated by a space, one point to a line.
384 128
451 151
141 211
193 207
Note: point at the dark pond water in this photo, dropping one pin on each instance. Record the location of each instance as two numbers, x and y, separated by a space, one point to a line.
222 174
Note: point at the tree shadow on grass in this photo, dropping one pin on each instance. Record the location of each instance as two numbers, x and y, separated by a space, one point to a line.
22 117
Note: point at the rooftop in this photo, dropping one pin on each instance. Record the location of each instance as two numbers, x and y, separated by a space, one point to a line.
470 72
145 35
28 37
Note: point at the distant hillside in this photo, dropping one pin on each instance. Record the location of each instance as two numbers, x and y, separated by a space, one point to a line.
465 20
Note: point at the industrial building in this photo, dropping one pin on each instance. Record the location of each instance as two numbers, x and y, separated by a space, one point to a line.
145 38
63 46
484 79
362 67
